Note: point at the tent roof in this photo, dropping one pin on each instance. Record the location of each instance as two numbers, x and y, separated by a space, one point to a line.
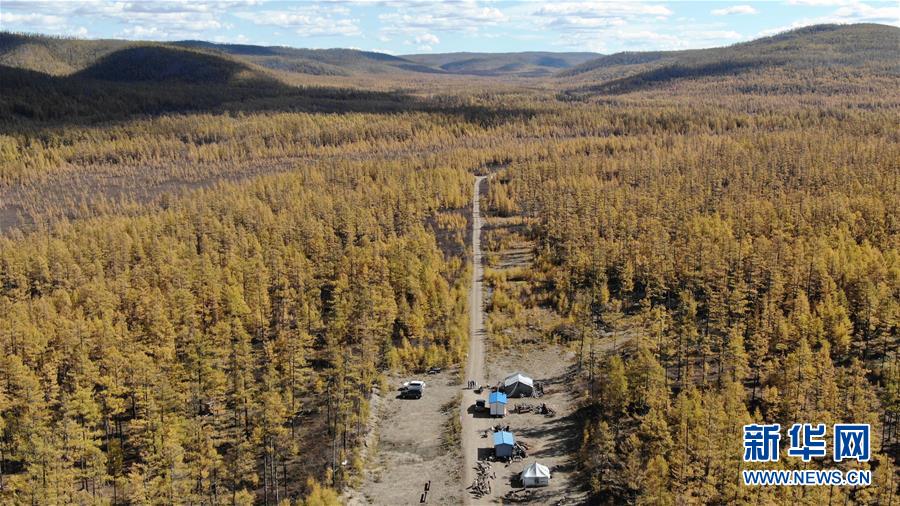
504 438
536 470
497 397
517 378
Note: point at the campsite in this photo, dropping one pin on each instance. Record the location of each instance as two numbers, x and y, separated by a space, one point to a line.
552 441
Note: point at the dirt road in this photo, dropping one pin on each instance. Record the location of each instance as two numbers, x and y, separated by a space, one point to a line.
471 426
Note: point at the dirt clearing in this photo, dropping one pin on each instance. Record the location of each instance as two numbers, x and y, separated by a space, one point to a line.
413 446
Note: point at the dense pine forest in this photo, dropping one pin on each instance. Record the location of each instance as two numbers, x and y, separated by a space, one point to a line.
206 274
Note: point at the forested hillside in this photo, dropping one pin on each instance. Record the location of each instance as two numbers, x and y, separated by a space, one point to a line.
61 56
208 274
527 64
795 59
51 55
334 62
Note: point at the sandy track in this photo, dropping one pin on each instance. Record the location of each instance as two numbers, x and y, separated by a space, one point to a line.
471 426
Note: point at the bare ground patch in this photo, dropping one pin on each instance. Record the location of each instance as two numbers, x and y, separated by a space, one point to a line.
413 447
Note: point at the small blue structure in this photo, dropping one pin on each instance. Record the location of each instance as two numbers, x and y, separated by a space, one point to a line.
497 400
503 444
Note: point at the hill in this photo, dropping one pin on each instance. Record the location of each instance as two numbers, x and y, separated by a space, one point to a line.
64 56
54 55
121 60
150 79
524 64
163 63
347 62
335 62
862 49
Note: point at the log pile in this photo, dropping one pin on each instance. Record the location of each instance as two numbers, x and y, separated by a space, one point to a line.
519 495
520 451
483 476
541 409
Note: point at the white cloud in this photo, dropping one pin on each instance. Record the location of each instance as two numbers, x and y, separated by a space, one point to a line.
734 9
159 20
308 22
426 41
144 33
37 22
576 23
425 24
603 9
238 39
590 25
416 18
820 3
847 12
427 38
600 25
859 12
11 18
418 23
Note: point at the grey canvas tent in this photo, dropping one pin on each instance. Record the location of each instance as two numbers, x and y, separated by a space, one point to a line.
518 385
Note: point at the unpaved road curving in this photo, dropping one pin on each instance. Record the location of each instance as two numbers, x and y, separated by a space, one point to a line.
472 426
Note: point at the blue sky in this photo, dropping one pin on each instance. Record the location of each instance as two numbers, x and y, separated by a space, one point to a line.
400 27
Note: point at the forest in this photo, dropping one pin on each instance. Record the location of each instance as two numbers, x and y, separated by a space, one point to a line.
753 272
199 296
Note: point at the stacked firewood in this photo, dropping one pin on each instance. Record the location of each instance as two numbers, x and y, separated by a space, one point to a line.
519 495
520 451
483 476
542 409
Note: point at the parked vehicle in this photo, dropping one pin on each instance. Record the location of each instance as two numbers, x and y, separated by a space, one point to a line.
412 389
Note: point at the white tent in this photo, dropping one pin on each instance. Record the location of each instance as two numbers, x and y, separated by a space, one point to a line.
518 385
536 475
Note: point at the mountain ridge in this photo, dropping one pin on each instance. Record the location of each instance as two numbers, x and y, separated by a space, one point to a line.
869 48
791 61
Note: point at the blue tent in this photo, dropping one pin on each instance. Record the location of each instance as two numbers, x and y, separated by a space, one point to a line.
497 401
503 443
